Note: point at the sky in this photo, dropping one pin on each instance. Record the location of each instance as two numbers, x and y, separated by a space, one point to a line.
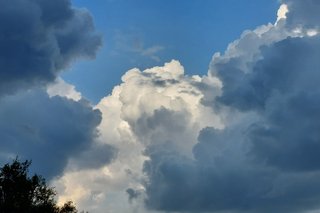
165 107
145 34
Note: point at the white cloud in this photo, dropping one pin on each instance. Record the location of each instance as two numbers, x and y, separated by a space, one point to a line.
140 112
282 13
63 89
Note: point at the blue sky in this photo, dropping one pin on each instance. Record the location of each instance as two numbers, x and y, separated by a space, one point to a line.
189 31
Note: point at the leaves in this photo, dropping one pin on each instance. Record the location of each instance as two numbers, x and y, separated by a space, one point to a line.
21 193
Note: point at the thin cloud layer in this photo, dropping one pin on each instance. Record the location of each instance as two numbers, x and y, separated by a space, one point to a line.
41 38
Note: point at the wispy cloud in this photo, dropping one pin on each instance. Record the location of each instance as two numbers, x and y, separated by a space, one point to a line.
133 42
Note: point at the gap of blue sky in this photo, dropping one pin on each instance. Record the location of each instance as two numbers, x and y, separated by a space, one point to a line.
144 34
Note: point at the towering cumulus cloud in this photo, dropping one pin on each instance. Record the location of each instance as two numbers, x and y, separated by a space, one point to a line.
270 162
38 39
244 138
153 112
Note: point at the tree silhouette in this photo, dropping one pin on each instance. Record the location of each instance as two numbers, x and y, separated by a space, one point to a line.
20 193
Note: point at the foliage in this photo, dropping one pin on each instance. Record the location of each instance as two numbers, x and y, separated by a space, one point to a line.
21 193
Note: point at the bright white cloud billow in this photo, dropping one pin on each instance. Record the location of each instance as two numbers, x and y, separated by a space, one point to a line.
63 89
156 107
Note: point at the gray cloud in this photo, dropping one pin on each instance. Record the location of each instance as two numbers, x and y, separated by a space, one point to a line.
286 64
222 180
303 13
160 124
266 159
95 156
133 194
46 130
283 89
40 38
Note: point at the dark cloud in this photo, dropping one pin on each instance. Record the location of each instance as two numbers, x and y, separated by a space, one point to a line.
133 194
39 38
225 183
162 118
267 162
210 183
303 13
96 156
160 126
48 130
286 64
283 89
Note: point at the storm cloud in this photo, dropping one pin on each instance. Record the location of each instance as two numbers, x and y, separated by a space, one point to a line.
40 38
46 130
265 159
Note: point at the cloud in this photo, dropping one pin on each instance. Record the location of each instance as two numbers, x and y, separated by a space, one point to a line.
158 107
47 130
41 38
133 194
282 88
133 42
303 14
288 128
244 138
282 13
95 156
223 179
60 88
265 159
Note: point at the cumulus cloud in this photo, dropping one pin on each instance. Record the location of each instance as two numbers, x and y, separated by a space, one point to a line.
38 39
158 107
268 163
41 38
244 138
